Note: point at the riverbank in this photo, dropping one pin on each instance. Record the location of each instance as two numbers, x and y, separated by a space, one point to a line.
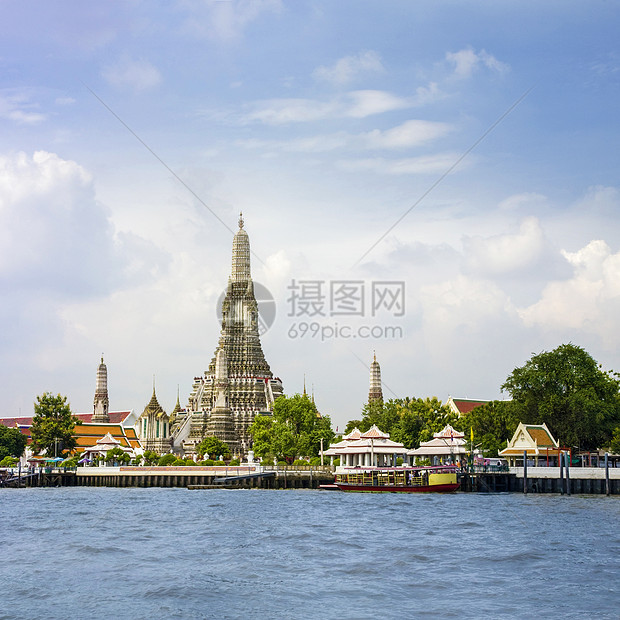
589 481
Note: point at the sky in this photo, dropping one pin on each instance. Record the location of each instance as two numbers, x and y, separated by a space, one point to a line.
436 183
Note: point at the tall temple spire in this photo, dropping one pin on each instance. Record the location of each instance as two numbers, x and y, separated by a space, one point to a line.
375 394
241 254
238 383
101 401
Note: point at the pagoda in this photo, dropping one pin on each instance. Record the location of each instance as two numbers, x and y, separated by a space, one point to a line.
238 383
375 393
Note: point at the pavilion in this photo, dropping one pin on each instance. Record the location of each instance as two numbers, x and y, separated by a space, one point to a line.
537 442
446 447
373 448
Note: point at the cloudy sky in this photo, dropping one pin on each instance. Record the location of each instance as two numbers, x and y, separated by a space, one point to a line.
434 181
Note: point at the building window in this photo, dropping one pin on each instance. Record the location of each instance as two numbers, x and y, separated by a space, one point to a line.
157 429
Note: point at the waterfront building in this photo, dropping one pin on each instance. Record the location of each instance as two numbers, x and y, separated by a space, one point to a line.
154 427
537 442
238 384
373 448
106 443
375 393
446 447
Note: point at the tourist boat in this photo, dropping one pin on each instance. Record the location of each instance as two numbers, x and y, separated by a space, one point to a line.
442 479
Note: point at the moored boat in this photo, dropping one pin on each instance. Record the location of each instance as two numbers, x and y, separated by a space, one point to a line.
442 479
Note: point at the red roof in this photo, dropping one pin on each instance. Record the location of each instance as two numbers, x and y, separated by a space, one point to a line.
116 417
465 406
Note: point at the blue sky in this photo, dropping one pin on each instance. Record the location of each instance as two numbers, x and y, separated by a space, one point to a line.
324 122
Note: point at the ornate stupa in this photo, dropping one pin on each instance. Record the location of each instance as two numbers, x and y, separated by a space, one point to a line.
101 402
238 383
375 394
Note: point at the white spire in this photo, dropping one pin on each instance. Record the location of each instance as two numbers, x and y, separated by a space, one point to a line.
241 254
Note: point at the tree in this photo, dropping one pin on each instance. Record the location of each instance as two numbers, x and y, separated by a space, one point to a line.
614 445
214 447
407 420
295 429
167 459
493 424
12 442
150 457
568 390
52 425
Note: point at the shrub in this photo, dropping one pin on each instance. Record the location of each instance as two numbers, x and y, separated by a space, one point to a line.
336 462
301 462
209 462
179 462
234 462
282 463
8 461
219 463
399 462
315 461
190 462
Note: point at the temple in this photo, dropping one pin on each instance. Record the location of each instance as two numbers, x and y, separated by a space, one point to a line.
375 394
101 401
238 383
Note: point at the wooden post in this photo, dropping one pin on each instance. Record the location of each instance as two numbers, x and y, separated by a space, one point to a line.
607 489
525 471
561 459
567 457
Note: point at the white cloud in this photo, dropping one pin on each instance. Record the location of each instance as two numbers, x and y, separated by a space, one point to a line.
225 20
467 61
355 104
408 134
16 106
54 235
505 253
589 301
135 75
427 164
347 69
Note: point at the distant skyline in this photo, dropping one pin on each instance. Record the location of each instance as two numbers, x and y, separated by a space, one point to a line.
324 123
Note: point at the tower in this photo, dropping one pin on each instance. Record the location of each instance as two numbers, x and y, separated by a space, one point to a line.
238 383
375 394
101 402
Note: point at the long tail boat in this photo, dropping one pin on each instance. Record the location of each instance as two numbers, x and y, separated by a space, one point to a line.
442 479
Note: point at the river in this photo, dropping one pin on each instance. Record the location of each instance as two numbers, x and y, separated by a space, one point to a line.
112 553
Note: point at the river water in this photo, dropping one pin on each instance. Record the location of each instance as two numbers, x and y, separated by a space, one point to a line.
93 553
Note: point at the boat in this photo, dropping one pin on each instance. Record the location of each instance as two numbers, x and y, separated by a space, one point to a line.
441 479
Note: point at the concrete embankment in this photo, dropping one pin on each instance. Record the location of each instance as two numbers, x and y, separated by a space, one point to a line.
580 481
203 477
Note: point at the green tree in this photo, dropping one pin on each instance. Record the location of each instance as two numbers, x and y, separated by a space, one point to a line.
614 445
150 457
167 459
214 447
295 429
493 424
407 420
568 390
52 425
12 442
117 455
